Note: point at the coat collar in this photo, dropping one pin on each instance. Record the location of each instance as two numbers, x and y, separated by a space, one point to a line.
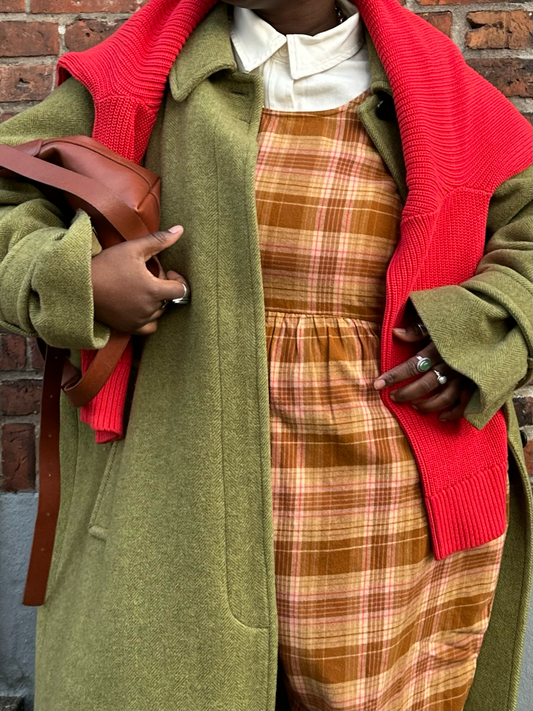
208 50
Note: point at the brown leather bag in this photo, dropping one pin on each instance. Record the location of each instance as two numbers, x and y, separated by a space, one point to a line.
123 202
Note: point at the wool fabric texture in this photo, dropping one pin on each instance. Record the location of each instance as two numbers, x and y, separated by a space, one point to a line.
442 118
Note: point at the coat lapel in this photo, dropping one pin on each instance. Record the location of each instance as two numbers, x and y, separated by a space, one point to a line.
209 51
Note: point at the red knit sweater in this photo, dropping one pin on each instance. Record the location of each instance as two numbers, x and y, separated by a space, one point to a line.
446 112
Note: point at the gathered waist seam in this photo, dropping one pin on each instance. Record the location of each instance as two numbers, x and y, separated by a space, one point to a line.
307 314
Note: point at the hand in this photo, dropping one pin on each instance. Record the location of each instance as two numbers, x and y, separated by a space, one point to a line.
425 394
127 296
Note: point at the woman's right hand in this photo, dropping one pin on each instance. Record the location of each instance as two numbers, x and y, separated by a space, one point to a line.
127 296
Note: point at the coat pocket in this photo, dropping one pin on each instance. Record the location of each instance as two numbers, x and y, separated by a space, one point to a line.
101 512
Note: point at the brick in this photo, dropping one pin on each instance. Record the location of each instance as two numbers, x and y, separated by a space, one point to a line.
4 115
37 361
12 352
524 410
528 455
13 6
28 39
83 34
26 83
18 457
441 20
512 76
499 30
50 6
20 397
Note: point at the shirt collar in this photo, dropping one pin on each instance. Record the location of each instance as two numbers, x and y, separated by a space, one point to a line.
209 50
255 41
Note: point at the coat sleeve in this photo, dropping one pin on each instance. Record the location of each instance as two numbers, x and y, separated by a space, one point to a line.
45 263
483 327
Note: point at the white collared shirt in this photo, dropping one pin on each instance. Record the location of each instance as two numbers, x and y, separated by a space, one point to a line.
303 72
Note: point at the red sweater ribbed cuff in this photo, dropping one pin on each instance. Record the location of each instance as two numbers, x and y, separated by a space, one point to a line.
105 412
469 513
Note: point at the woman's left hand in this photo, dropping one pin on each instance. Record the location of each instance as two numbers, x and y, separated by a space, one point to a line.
426 394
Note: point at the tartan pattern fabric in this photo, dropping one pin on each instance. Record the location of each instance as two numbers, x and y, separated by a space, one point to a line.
368 619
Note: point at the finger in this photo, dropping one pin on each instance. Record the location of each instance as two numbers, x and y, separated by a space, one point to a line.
152 244
455 413
160 271
171 274
166 290
410 334
147 329
424 385
157 315
443 400
407 369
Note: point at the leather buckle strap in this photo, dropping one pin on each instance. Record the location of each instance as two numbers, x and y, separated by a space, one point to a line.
80 390
60 374
49 480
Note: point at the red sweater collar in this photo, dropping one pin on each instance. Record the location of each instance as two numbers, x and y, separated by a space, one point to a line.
436 93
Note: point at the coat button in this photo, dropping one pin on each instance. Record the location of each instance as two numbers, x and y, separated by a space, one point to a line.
385 108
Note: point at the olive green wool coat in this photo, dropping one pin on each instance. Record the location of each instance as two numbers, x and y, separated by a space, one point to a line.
161 593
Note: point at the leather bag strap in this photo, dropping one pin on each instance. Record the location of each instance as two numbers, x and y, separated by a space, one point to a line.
115 211
49 481
86 387
109 205
59 373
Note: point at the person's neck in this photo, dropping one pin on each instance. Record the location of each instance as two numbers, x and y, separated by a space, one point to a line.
307 17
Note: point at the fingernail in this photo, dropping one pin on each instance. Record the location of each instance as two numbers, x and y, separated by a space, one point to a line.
415 407
400 330
443 418
379 384
393 397
176 228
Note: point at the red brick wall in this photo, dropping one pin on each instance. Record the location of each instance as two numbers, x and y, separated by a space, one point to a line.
20 390
496 40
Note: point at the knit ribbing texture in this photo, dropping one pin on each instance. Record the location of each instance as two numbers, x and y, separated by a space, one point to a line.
461 139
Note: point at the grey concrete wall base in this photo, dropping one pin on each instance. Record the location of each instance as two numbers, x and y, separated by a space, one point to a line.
11 703
17 622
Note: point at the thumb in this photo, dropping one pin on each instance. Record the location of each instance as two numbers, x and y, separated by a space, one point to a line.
410 334
152 244
174 276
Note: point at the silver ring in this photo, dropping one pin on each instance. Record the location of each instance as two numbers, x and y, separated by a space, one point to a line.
185 299
423 330
441 378
423 364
